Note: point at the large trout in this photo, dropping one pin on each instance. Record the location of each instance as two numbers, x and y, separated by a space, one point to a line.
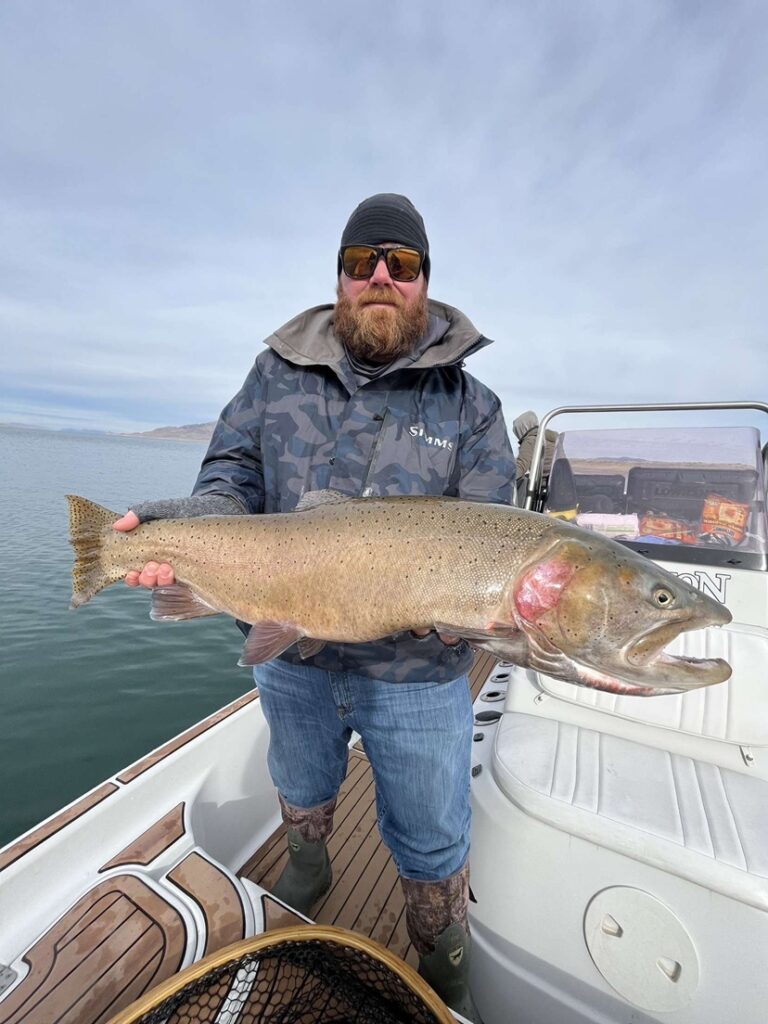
535 591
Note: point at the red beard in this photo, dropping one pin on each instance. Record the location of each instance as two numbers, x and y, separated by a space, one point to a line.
376 333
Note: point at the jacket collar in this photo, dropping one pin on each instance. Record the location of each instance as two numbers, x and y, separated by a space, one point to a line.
309 340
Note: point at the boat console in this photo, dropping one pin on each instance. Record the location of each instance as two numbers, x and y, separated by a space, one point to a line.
619 843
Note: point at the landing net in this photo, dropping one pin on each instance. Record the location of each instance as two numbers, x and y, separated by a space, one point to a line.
315 976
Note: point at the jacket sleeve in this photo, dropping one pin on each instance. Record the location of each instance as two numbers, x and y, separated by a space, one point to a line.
485 461
232 464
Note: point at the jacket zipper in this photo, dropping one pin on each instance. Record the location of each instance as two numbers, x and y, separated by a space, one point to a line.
367 490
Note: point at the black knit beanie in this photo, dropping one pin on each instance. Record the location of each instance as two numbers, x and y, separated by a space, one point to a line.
387 217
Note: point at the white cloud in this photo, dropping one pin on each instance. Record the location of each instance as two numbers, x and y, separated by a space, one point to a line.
175 179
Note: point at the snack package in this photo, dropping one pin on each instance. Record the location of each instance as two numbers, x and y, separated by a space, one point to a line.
724 518
670 529
616 526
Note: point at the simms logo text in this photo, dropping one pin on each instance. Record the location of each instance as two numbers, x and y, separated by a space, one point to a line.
438 442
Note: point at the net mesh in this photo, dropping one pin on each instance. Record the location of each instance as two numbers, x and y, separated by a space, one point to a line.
295 982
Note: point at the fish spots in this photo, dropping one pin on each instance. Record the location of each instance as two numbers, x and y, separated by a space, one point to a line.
541 587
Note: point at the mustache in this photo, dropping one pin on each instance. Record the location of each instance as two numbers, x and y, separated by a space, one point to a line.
377 294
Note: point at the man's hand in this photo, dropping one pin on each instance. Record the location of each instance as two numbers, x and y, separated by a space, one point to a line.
153 574
129 522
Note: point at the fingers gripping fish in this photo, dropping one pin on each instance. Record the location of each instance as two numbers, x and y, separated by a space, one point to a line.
535 591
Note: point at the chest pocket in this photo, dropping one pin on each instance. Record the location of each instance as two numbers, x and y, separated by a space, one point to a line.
412 455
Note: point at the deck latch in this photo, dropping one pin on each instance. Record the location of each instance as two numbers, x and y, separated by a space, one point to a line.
7 977
747 756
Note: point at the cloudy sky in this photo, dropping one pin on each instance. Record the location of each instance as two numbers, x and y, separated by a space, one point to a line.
175 175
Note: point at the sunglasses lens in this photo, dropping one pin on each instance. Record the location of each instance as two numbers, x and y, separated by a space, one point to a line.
359 262
404 264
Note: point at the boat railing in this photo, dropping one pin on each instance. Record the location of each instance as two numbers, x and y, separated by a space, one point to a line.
534 496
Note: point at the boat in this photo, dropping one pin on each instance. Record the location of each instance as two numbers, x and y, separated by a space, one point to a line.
619 864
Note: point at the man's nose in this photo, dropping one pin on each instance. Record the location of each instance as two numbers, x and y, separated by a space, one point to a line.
380 273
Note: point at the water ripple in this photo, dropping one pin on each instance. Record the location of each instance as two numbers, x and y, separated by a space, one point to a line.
82 694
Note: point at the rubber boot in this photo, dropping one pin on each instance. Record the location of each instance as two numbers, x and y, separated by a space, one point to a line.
446 969
307 876
436 919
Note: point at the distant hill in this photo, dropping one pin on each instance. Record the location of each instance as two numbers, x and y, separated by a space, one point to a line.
190 432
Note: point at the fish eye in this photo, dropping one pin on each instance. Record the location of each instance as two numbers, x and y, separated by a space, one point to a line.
663 597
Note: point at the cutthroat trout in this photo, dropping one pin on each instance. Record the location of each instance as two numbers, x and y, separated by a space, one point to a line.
535 591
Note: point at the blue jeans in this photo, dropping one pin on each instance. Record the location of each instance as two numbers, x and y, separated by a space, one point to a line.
418 738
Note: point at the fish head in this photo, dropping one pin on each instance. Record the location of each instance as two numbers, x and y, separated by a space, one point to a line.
601 614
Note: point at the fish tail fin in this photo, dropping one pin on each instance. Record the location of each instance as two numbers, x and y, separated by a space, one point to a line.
87 522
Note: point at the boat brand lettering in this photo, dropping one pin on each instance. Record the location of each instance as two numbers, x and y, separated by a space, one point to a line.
417 430
713 585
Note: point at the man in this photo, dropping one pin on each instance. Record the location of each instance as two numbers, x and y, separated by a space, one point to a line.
368 397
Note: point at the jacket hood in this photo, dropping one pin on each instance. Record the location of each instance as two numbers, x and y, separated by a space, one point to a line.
309 340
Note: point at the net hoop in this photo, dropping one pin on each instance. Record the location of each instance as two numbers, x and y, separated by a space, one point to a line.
263 942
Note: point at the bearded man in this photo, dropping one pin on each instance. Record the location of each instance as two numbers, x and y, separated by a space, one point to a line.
368 397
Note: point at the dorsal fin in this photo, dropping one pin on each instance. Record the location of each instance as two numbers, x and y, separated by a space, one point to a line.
314 498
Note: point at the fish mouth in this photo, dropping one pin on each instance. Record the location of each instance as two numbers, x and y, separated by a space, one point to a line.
647 647
643 669
684 673
668 675
646 656
664 674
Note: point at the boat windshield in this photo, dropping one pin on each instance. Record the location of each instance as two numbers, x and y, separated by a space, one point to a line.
690 494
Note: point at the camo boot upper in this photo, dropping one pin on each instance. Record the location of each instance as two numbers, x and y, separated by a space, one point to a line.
307 876
436 919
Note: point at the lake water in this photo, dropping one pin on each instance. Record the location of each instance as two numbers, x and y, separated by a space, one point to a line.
84 693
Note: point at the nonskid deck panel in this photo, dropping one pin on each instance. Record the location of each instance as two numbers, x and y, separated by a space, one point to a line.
121 939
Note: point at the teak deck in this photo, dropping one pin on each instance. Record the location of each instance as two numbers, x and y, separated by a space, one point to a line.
365 895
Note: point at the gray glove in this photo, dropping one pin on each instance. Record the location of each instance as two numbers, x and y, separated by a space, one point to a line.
189 508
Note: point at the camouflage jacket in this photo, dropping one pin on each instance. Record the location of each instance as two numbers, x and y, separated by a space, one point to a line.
304 421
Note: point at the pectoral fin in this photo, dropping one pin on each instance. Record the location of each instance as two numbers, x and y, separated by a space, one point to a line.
513 649
495 630
501 639
266 640
177 602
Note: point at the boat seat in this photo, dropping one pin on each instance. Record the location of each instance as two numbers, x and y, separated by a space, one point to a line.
726 724
684 816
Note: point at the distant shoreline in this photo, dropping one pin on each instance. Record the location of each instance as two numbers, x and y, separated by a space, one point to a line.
192 432
198 432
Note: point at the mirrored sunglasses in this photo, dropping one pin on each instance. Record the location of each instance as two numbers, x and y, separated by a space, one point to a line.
360 261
